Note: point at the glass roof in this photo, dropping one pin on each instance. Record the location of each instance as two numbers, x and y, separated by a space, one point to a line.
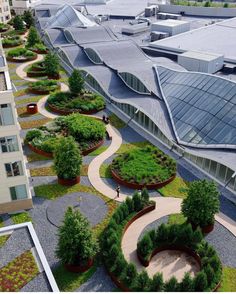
202 106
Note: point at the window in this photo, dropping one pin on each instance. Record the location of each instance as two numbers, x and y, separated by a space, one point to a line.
6 117
9 144
18 192
14 169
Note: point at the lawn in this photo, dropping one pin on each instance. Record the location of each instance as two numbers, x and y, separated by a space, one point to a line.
116 122
29 100
98 151
48 171
228 283
176 188
17 273
131 146
105 171
3 239
21 217
34 123
35 157
20 93
176 218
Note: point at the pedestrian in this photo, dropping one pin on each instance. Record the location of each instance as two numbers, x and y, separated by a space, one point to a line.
107 120
104 118
118 191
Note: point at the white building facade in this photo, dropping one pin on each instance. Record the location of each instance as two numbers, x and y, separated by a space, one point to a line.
15 193
19 6
5 13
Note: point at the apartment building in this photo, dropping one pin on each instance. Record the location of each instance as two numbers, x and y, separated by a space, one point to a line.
19 6
15 193
5 13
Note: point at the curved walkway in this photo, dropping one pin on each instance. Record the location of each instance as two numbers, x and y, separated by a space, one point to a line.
165 206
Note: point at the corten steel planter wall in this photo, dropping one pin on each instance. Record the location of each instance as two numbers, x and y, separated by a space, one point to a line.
11 45
15 59
32 108
69 182
147 209
35 74
55 109
136 186
79 268
56 77
40 152
41 92
205 229
39 51
94 147
185 249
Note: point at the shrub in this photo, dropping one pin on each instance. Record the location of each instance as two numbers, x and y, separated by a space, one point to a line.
119 265
171 285
20 52
143 282
76 82
49 85
130 204
125 210
76 244
33 37
67 159
209 273
32 134
51 64
12 41
129 275
200 282
39 47
201 203
226 5
138 204
186 285
145 196
18 23
145 247
157 284
28 18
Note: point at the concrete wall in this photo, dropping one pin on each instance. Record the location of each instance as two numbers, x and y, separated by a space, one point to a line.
199 11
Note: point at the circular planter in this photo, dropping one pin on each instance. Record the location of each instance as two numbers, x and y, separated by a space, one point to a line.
69 182
40 152
94 147
39 51
206 229
35 74
137 186
79 268
24 59
10 46
32 108
185 249
41 92
55 109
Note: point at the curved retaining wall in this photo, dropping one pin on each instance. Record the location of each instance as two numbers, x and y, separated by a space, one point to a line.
67 111
15 59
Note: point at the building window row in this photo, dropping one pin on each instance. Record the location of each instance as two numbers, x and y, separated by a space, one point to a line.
14 169
6 116
134 83
18 192
9 144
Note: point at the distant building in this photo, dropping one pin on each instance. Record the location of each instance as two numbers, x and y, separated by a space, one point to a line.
5 13
19 6
14 188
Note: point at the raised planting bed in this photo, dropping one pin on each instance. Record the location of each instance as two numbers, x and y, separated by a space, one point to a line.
69 182
38 70
43 87
65 103
11 41
143 167
20 55
88 132
4 27
181 237
32 108
79 268
39 49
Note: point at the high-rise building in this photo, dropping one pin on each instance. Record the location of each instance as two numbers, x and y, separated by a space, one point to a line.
14 185
5 13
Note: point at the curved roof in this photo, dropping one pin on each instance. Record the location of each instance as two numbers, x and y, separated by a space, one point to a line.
56 37
202 107
68 16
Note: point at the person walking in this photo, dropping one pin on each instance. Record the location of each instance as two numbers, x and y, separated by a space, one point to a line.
118 191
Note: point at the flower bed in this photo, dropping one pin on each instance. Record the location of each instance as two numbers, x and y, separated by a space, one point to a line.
20 55
125 275
65 103
11 41
39 49
43 87
4 27
147 167
88 132
38 70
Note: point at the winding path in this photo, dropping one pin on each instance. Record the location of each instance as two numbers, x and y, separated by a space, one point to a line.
165 205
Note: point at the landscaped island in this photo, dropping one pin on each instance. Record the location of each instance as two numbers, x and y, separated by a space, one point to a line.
88 133
147 167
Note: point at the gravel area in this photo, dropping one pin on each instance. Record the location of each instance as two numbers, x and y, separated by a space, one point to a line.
38 164
99 282
38 284
19 242
129 135
220 238
93 207
30 118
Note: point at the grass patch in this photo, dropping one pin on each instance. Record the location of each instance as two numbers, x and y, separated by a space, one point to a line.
35 157
4 238
21 92
105 171
48 171
20 83
12 65
98 151
131 146
176 218
228 283
68 282
22 112
34 123
29 100
116 121
18 273
14 77
177 188
21 217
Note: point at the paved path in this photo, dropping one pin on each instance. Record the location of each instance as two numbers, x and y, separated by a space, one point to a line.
20 70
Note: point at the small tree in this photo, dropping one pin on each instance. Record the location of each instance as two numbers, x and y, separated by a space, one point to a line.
130 275
67 159
145 196
138 204
200 282
130 204
76 82
157 283
76 244
144 247
18 23
186 285
143 282
209 273
33 37
28 18
52 65
226 5
201 203
171 285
